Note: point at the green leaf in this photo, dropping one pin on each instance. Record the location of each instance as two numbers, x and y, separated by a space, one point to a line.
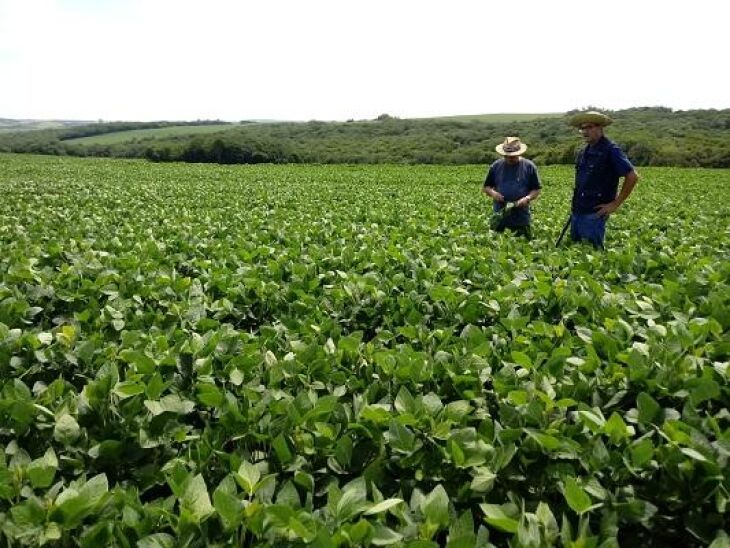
66 335
383 506
377 413
703 389
694 454
522 359
41 471
546 517
72 505
592 419
143 364
359 532
67 430
722 540
496 516
457 410
7 490
352 501
343 451
432 403
322 409
528 531
196 498
518 397
247 477
401 438
616 428
236 377
404 402
209 395
641 452
435 506
350 343
329 346
157 540
575 496
171 403
483 481
155 386
551 443
461 532
94 489
28 514
229 508
383 536
53 532
304 479
648 408
288 495
300 530
128 389
281 447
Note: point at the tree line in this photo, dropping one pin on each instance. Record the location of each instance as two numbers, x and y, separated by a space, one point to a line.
654 136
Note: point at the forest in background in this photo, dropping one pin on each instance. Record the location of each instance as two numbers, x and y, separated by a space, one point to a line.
651 136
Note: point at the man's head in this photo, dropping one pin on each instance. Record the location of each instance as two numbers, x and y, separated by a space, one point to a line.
590 124
512 148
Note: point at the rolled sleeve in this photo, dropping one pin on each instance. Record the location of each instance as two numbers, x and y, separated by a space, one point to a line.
619 161
534 181
490 180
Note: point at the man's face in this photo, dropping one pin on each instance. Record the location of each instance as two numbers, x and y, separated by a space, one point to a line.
512 160
590 132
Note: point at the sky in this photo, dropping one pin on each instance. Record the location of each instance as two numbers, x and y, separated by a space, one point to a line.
232 60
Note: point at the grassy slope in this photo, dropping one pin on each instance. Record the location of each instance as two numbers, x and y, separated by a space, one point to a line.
175 131
8 125
152 133
498 118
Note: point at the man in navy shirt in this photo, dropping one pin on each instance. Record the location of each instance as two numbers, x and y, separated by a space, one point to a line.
598 168
512 182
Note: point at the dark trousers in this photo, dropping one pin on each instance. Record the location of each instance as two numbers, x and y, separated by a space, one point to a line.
588 227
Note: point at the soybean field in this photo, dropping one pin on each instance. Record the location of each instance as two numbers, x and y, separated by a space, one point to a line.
335 356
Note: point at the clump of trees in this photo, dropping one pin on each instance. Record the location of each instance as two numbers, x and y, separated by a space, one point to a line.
650 136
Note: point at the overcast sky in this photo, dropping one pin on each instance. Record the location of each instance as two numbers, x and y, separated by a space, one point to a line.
341 59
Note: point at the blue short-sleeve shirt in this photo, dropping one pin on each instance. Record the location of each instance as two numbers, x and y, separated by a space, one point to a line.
513 182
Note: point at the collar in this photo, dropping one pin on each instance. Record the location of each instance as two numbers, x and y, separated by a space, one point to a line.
603 142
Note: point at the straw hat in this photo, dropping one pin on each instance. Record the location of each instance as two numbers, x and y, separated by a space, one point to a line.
590 117
512 146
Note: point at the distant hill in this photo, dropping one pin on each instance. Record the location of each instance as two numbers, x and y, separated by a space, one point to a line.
9 125
649 135
150 133
499 117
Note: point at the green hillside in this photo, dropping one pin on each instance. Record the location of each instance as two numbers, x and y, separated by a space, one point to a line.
11 125
501 117
150 133
649 135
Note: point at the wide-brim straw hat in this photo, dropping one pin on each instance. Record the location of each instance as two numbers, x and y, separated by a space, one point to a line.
590 117
512 146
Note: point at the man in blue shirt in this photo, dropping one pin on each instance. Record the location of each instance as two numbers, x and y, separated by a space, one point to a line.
512 182
598 167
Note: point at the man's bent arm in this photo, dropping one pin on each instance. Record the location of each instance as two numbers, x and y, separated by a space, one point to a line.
492 193
530 197
630 180
627 187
